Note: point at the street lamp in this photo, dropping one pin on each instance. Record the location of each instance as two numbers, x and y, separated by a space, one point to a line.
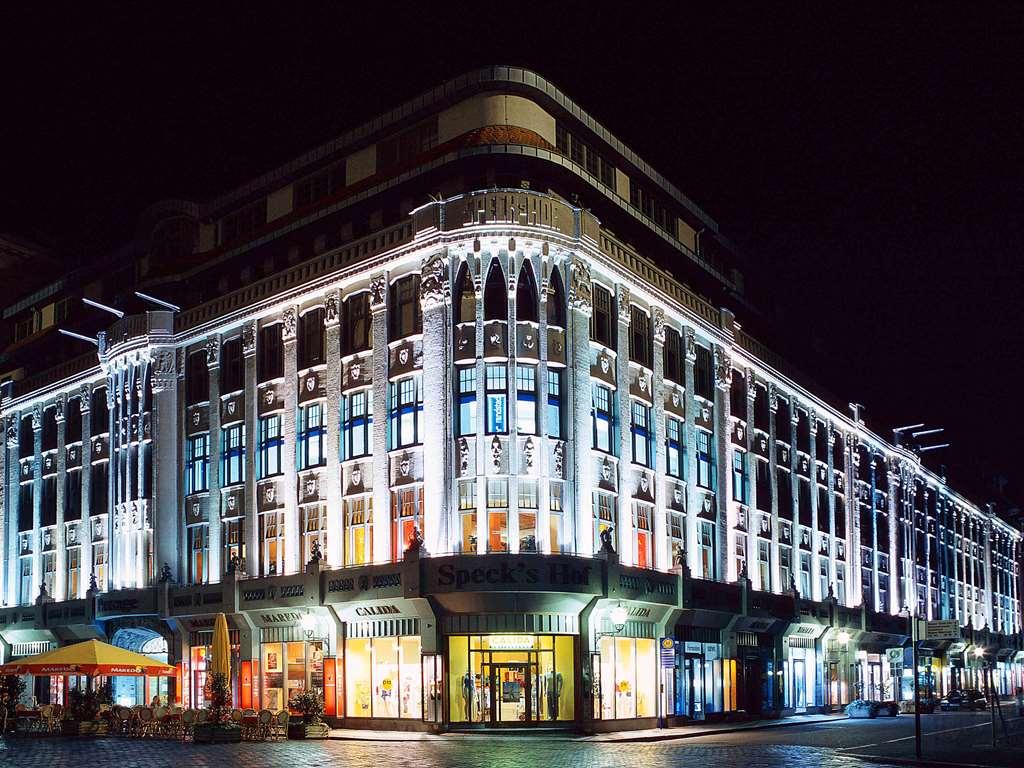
979 652
618 616
843 637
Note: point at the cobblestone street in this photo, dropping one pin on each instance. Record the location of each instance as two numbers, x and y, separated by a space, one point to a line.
483 752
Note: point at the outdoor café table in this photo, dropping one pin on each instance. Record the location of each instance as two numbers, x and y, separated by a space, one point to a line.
32 718
250 723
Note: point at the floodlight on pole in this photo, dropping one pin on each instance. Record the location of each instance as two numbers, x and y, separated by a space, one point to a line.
116 312
158 302
79 336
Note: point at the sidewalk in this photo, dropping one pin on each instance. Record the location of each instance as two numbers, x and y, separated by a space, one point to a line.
616 737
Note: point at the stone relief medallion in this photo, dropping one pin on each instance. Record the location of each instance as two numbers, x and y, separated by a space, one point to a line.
528 452
310 383
403 356
496 452
606 471
268 396
405 466
463 456
357 475
354 371
311 485
605 364
269 494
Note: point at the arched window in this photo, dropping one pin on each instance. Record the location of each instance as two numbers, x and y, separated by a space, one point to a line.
526 295
556 300
465 297
495 298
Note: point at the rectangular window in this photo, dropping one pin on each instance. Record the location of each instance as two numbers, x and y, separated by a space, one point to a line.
314 530
311 339
268 456
764 570
554 425
496 398
197 461
197 378
805 575
707 549
739 476
705 460
272 542
604 516
674 448
357 328
642 515
74 568
642 436
555 491
785 569
99 564
763 484
99 488
357 424
526 399
673 358
527 515
404 312
311 436
49 571
602 417
406 406
233 543
467 516
467 401
704 374
602 327
199 554
25 582
232 367
232 458
674 530
270 354
406 511
359 530
640 337
823 578
497 515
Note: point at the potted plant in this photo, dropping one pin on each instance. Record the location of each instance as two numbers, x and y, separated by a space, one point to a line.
310 704
81 718
11 689
218 728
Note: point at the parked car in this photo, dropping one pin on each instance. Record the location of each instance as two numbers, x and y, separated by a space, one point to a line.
966 699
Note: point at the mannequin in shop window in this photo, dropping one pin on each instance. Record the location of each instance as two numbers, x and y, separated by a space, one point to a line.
467 695
552 682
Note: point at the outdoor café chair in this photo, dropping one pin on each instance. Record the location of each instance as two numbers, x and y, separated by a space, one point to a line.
188 721
281 724
265 722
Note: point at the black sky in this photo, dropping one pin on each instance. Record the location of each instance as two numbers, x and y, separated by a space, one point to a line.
869 162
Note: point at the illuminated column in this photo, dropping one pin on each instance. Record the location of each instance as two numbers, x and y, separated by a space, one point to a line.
693 501
435 298
543 460
895 527
854 582
986 533
166 457
332 408
662 555
726 513
580 467
85 527
289 485
753 517
37 497
514 446
816 557
10 480
59 541
625 535
251 528
773 478
214 499
381 492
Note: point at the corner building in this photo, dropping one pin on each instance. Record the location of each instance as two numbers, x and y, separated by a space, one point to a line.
442 439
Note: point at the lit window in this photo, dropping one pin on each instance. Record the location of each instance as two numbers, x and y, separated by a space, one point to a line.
467 401
497 396
467 516
527 515
359 528
268 457
705 460
526 399
311 436
604 516
674 448
554 393
602 417
357 425
497 515
641 429
707 549
232 461
199 553
197 464
739 476
642 514
406 405
406 509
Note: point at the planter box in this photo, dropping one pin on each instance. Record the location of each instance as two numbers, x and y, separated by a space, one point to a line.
862 710
888 709
303 731
206 733
84 727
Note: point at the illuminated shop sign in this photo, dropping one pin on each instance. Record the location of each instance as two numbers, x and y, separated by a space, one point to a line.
510 642
508 574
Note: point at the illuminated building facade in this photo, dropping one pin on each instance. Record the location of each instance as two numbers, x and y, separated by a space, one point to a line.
442 439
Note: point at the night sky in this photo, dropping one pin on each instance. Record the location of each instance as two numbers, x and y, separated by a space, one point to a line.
869 166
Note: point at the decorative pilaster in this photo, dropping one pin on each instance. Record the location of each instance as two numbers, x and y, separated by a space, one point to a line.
165 447
625 535
251 534
59 577
579 470
11 510
662 555
726 513
896 587
214 499
289 487
693 497
332 477
37 497
776 573
435 299
381 480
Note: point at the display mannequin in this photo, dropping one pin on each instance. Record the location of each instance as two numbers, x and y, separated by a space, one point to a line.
467 695
553 692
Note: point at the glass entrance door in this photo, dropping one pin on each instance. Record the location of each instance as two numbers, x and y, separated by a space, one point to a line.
799 683
514 689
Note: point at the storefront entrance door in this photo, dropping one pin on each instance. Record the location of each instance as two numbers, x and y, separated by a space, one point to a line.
513 693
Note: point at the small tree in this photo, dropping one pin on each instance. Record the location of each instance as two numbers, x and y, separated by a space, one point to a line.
310 703
11 689
220 697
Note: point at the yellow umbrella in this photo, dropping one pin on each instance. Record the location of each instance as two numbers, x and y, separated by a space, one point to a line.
221 651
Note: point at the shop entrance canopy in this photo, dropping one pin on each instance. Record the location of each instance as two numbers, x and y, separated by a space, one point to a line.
91 657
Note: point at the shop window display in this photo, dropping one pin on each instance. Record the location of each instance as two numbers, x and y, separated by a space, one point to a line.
510 679
628 669
383 677
290 668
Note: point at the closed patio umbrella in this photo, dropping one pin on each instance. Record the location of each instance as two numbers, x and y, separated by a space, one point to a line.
221 650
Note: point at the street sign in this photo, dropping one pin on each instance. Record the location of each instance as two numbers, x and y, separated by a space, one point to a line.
895 655
668 653
944 629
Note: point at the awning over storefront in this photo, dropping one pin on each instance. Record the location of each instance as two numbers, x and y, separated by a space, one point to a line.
91 657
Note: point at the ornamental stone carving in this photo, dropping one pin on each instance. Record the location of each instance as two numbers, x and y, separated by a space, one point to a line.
559 455
658 321
496 453
12 431
691 344
212 353
463 456
249 338
84 398
623 299
378 291
331 313
37 416
751 385
288 323
528 453
58 406
723 368
433 281
581 292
